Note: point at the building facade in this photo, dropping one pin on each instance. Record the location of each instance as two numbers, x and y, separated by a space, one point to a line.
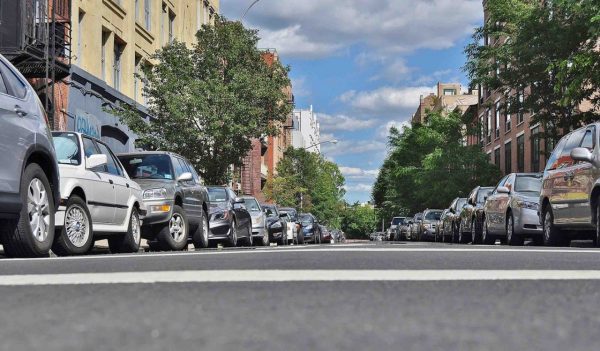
449 97
307 131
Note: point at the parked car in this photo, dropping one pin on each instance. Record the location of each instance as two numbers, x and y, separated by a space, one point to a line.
428 225
471 217
451 222
175 197
402 229
511 211
326 235
292 220
439 227
98 199
29 175
310 228
229 222
570 194
393 225
415 227
259 220
376 236
339 236
276 225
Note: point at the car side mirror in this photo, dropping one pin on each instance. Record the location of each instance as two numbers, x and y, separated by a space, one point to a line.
503 190
185 177
582 154
96 160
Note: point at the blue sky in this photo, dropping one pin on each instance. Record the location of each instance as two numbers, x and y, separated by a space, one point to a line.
363 64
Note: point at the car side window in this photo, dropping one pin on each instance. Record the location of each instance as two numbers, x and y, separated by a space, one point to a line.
111 165
89 149
13 84
574 141
500 183
3 89
509 182
553 160
194 173
588 139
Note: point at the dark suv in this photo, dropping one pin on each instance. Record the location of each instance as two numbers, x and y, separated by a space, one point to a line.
29 179
175 198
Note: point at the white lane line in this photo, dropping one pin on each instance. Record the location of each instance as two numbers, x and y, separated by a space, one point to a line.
228 276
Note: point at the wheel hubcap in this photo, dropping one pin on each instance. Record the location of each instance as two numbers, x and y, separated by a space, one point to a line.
77 226
509 231
547 220
177 227
205 228
38 209
135 228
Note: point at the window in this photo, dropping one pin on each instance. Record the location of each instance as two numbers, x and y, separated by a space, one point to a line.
497 119
481 131
148 166
489 126
588 139
553 159
80 37
147 15
507 118
521 153
508 157
105 36
574 141
13 84
217 195
497 157
3 89
179 170
520 114
535 149
137 10
117 65
89 149
111 165
136 79
449 92
171 26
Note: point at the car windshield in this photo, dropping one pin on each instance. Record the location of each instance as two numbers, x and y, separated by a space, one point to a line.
528 184
251 205
433 215
482 194
67 148
149 166
217 195
398 220
460 203
270 211
306 219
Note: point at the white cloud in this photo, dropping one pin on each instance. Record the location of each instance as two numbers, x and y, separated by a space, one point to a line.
384 130
359 173
320 28
360 187
386 100
299 87
354 147
331 123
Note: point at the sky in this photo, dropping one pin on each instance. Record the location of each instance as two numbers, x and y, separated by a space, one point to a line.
363 64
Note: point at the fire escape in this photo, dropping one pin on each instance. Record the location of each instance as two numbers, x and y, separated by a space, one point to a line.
35 35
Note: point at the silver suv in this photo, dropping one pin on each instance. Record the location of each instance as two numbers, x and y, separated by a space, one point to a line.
29 180
571 189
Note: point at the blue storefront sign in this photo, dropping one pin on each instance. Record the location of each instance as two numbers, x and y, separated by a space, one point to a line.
87 124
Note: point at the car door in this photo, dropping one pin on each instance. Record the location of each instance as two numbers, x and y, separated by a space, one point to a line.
242 215
583 181
562 193
467 211
492 208
552 172
99 187
120 183
17 133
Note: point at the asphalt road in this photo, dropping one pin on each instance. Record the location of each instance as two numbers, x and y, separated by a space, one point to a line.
332 297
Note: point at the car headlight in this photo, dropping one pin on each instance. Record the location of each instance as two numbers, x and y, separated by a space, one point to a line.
528 205
307 228
155 194
258 221
221 215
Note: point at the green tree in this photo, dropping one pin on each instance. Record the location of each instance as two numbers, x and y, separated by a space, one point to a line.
428 166
207 102
545 50
358 221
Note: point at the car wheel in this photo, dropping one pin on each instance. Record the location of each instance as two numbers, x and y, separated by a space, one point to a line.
476 239
233 239
300 235
174 234
597 236
130 241
486 237
76 236
249 238
552 235
511 238
462 237
265 239
200 236
32 234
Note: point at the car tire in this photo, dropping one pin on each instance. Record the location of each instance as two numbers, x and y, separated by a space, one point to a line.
553 236
300 236
283 240
232 241
265 240
476 238
17 235
486 237
200 236
462 238
249 240
130 241
512 239
597 232
454 239
173 235
77 233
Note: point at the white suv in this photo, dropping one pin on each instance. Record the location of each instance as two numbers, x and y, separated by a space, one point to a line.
98 200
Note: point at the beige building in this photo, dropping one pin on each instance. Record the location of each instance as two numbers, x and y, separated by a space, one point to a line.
449 97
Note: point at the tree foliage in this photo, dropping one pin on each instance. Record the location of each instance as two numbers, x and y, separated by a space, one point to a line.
546 49
208 101
358 221
309 182
428 166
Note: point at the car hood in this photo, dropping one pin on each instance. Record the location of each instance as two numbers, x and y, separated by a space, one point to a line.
524 197
217 206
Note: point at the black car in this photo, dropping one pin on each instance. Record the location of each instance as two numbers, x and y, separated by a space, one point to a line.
310 228
175 198
275 225
229 219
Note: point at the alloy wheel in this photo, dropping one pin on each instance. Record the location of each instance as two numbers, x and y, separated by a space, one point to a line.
205 228
177 227
38 208
547 226
77 226
135 228
509 229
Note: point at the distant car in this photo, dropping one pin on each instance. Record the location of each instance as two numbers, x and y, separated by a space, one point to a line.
511 210
402 229
98 199
259 220
439 227
451 221
377 236
326 236
291 228
292 220
175 197
230 222
415 227
276 225
393 225
310 228
471 217
428 224
29 176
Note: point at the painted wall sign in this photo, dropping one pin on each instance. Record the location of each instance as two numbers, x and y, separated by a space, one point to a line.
87 124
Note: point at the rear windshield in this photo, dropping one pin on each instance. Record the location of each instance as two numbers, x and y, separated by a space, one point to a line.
398 220
148 166
270 211
67 148
528 184
217 195
433 215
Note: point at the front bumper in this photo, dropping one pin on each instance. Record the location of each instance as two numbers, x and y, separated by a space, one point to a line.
259 232
428 234
158 211
219 229
527 221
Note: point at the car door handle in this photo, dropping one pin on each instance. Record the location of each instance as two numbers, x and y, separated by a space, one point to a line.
19 111
111 181
127 184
